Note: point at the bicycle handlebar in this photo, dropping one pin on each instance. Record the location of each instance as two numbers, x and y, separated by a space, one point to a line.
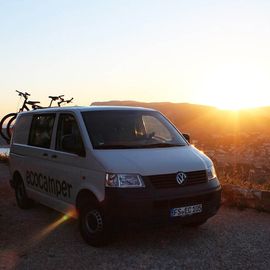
25 94
64 101
69 100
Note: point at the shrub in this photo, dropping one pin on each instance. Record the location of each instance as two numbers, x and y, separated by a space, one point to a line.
4 158
238 181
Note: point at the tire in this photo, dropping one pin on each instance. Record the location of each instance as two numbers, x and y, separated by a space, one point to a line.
10 126
92 224
5 120
21 196
195 223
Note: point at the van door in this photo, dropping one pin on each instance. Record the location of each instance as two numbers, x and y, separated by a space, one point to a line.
36 162
68 162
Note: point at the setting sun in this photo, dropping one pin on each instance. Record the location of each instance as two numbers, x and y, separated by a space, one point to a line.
236 87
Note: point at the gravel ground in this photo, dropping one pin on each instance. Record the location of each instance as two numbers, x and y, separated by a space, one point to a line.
36 239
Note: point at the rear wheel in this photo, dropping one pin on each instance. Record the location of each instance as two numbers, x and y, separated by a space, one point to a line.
92 223
4 124
21 197
10 126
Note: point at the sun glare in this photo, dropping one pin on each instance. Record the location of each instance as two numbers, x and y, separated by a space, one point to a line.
235 87
231 107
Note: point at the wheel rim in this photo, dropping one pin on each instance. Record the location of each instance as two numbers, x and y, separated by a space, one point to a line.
93 221
7 121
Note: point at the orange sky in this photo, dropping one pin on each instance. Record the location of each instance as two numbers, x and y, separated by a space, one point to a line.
210 52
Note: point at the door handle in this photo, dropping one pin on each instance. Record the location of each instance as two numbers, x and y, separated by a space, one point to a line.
54 156
45 154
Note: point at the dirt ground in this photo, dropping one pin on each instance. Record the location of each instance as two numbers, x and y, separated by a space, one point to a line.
41 238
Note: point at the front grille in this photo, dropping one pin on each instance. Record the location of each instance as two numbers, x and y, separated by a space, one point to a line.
169 180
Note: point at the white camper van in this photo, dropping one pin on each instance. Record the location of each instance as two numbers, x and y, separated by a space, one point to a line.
111 164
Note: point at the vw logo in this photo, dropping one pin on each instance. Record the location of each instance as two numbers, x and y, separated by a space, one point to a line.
181 178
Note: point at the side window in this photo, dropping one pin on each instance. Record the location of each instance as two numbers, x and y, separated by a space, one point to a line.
41 130
22 129
68 137
155 128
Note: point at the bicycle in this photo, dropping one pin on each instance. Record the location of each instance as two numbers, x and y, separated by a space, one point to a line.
63 101
10 118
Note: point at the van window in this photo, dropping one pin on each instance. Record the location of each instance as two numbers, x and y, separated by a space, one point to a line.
41 130
68 138
113 129
22 128
153 125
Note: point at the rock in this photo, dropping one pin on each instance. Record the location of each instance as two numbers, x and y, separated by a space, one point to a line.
245 198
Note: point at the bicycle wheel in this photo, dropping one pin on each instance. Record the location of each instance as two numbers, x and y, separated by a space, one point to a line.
10 125
3 126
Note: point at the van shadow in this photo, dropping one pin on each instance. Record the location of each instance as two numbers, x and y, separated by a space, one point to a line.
162 236
138 236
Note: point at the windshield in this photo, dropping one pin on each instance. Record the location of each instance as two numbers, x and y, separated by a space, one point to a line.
115 129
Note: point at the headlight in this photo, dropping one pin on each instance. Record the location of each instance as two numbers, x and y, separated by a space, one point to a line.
124 180
211 173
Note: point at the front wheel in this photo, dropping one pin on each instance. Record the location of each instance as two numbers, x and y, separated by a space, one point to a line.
93 227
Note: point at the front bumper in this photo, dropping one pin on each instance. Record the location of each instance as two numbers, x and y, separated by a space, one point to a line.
151 205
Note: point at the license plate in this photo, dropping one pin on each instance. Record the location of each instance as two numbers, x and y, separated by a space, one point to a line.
186 210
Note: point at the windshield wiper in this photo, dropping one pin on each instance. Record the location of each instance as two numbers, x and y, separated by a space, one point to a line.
116 146
160 145
124 146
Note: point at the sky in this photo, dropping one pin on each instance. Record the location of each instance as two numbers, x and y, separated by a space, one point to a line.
204 52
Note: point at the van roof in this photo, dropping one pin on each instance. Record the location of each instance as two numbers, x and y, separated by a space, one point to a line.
90 108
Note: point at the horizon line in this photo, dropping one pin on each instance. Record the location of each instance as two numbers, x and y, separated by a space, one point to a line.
184 103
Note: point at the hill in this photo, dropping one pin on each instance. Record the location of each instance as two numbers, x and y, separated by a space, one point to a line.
201 121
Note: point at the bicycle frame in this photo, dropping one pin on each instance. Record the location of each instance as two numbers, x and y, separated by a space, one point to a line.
24 106
25 96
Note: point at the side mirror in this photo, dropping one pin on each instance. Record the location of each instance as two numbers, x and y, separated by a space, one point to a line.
187 137
72 144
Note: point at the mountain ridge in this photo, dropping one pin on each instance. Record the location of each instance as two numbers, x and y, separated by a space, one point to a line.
202 120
